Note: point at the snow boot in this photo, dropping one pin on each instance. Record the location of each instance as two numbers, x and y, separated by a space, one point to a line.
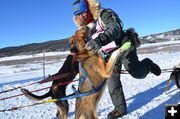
115 114
155 69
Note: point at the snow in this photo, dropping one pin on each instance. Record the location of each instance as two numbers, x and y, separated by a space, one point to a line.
32 56
145 98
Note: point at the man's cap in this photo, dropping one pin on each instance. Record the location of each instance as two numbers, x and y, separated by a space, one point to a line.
80 6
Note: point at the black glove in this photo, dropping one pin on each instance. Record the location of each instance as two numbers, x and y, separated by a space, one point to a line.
93 44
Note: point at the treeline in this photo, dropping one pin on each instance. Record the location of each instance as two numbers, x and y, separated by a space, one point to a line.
55 45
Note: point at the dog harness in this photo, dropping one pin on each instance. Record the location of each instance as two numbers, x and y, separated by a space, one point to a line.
78 94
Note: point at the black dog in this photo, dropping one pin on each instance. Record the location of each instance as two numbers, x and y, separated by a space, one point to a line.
70 66
175 75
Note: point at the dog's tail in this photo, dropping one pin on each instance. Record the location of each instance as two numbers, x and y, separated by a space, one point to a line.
35 97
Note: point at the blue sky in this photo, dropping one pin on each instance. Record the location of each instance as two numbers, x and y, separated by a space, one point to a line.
34 21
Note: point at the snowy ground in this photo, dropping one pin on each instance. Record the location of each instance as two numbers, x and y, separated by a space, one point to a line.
144 97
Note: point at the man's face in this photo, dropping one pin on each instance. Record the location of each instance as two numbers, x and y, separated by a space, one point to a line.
82 16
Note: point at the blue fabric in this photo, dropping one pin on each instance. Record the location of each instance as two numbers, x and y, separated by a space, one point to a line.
84 77
80 7
78 95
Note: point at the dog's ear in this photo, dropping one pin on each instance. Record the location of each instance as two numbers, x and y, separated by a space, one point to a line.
133 35
71 39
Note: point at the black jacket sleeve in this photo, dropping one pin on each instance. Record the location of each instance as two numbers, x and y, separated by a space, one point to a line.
112 24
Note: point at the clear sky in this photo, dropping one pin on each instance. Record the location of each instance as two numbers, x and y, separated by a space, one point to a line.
34 21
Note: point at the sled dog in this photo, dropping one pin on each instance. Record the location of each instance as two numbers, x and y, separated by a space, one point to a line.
175 75
97 71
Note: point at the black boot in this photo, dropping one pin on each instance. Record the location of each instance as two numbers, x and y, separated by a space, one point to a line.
155 69
115 114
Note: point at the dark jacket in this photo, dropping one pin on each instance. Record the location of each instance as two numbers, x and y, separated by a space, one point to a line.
112 24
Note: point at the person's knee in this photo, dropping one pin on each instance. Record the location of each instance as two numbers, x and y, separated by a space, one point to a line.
115 91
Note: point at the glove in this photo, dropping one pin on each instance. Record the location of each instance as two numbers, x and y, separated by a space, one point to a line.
93 44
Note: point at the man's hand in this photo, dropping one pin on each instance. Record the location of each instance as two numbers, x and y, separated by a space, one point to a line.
93 44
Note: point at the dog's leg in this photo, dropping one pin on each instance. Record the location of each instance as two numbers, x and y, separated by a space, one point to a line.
86 106
88 113
62 109
58 114
78 109
172 77
91 114
82 108
106 69
169 82
82 117
177 78
61 112
95 114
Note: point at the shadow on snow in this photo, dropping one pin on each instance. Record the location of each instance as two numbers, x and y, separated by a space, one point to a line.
147 96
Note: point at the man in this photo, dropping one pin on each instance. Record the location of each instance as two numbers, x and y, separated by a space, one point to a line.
108 28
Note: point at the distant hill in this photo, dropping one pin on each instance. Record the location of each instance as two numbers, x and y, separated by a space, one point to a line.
63 44
161 37
55 45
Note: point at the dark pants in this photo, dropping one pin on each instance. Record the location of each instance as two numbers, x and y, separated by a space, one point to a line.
136 68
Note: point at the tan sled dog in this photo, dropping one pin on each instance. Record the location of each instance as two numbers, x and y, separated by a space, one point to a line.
96 69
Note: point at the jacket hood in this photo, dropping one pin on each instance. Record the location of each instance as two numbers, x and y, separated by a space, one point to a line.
95 9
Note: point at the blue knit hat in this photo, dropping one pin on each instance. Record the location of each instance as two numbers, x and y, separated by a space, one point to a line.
80 6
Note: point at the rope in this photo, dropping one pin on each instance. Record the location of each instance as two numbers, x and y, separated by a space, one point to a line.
55 78
38 90
168 70
47 79
18 87
16 108
63 76
163 71
71 96
122 72
66 74
52 100
40 82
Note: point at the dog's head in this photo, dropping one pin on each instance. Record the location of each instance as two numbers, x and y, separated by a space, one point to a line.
79 39
131 34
